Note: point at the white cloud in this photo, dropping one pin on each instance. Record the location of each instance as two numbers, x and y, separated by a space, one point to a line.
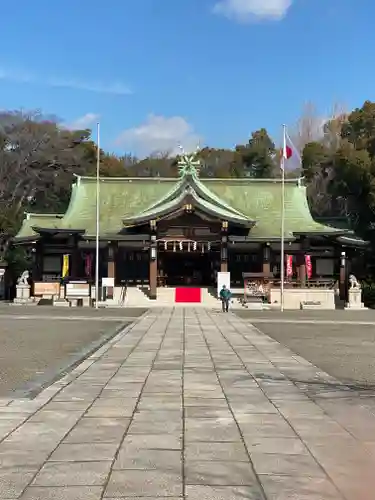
159 134
83 122
114 88
252 10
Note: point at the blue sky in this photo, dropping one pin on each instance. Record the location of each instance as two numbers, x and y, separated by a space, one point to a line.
159 72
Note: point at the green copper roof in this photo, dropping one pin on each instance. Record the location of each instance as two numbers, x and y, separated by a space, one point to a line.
119 199
190 186
263 199
50 221
126 199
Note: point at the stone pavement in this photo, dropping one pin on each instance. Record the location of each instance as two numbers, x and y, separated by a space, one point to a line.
190 404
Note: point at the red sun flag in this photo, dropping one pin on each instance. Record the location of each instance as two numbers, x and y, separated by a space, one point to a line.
287 153
290 158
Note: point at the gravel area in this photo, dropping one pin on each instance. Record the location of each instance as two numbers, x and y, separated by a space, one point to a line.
36 350
345 351
71 312
365 316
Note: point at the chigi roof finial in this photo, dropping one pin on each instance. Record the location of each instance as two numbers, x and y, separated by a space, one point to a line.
189 163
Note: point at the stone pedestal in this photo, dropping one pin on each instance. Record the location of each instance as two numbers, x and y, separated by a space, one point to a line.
23 295
355 300
86 302
60 301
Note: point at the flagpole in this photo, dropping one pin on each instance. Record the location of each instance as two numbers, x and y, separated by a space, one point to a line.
282 249
97 217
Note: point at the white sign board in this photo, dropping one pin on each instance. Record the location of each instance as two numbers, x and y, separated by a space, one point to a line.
222 279
107 282
77 290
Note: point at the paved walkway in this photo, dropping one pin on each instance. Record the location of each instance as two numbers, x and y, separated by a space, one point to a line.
190 404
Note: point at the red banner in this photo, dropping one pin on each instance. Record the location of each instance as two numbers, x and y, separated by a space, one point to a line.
289 266
308 265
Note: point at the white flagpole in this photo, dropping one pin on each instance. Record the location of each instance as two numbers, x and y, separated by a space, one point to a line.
282 250
97 217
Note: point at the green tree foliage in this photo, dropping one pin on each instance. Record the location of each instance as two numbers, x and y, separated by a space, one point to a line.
110 164
258 156
156 165
38 160
340 169
222 163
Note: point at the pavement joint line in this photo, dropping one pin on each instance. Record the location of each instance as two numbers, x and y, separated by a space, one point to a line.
229 406
183 403
338 384
334 382
35 386
125 332
307 321
71 318
48 400
270 400
138 399
209 352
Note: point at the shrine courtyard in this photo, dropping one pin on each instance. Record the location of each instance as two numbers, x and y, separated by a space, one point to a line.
38 344
193 404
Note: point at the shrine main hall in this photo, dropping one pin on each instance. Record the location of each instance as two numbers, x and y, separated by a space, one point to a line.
181 232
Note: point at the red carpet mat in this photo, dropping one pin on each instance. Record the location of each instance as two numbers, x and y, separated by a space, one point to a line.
188 295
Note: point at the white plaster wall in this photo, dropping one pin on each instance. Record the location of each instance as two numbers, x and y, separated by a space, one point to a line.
294 296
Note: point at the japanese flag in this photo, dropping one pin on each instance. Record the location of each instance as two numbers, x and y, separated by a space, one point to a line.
290 157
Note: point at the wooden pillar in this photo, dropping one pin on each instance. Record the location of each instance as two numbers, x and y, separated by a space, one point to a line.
74 257
37 271
153 272
224 266
342 283
224 247
266 259
301 264
111 267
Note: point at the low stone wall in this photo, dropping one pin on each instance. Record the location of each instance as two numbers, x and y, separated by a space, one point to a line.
317 298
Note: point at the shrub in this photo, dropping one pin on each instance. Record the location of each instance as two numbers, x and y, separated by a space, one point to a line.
368 295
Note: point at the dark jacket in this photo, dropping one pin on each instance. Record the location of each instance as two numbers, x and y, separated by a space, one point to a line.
225 294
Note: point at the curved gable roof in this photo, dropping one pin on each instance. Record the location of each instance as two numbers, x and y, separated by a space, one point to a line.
127 200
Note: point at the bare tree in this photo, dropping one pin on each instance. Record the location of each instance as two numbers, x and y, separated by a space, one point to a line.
322 202
313 126
36 158
309 127
333 127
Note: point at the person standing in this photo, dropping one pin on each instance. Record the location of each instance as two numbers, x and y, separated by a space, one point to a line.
225 296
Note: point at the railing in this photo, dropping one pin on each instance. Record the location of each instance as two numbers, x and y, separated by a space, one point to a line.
328 283
260 287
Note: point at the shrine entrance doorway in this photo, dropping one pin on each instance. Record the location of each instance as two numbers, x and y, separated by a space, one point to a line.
186 269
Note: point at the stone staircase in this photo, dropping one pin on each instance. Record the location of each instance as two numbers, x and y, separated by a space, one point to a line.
166 295
131 297
138 297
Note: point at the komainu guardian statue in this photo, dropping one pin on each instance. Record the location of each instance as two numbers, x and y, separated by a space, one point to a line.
353 282
24 278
